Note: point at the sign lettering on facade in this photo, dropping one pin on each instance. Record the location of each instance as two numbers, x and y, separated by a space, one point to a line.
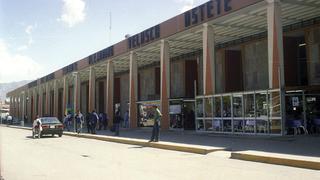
206 11
72 67
144 37
103 54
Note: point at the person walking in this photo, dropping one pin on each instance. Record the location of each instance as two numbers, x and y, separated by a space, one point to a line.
66 122
116 123
155 129
93 121
79 121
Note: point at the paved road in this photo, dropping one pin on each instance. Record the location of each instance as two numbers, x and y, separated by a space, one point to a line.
24 158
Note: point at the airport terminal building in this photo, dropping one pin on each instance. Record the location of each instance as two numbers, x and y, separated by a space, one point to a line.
226 66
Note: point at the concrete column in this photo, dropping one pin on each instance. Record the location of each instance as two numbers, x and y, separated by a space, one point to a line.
47 105
65 94
29 114
275 45
55 98
11 106
40 101
165 84
133 90
92 89
23 105
34 104
208 60
275 54
77 84
17 107
109 91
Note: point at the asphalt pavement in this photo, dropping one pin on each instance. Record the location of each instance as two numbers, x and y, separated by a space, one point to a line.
301 148
79 158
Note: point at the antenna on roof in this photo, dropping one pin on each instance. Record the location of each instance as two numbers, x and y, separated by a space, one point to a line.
110 26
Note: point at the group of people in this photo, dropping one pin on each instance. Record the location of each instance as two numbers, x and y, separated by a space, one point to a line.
96 122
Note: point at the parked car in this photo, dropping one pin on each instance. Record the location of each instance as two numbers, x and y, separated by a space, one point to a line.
9 119
51 126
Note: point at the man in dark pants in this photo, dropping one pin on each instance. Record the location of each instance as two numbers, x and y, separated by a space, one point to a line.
88 122
93 121
155 129
116 123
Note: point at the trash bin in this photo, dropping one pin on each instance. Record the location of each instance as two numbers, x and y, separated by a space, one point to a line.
21 123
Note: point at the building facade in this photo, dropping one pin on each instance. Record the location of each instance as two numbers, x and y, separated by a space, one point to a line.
226 66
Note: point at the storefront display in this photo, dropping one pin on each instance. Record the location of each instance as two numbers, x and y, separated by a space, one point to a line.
146 113
247 112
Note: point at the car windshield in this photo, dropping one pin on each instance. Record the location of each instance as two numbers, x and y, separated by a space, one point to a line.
49 120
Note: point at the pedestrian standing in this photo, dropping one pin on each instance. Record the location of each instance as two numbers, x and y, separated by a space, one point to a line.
100 121
116 123
155 129
126 119
79 121
105 121
88 122
66 122
93 121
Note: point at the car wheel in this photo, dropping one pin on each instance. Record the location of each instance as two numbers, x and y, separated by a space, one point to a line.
60 135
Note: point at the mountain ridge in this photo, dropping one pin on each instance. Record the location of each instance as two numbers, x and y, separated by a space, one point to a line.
7 87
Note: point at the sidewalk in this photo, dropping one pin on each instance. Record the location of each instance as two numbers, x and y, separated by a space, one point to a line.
297 151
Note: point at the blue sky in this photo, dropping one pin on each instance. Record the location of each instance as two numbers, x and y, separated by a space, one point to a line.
38 37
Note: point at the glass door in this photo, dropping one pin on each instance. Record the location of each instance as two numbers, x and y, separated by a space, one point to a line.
294 122
313 113
188 115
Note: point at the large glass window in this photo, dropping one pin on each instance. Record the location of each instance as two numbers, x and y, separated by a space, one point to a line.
208 107
217 106
217 125
208 125
249 110
237 113
217 121
249 105
275 112
261 112
200 125
294 113
313 113
226 105
237 106
199 107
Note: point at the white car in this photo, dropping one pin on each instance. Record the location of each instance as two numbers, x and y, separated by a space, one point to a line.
9 119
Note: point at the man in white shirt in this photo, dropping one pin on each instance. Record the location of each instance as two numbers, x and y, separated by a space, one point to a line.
36 127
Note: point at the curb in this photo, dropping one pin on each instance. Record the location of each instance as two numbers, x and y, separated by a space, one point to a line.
159 145
197 149
299 163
